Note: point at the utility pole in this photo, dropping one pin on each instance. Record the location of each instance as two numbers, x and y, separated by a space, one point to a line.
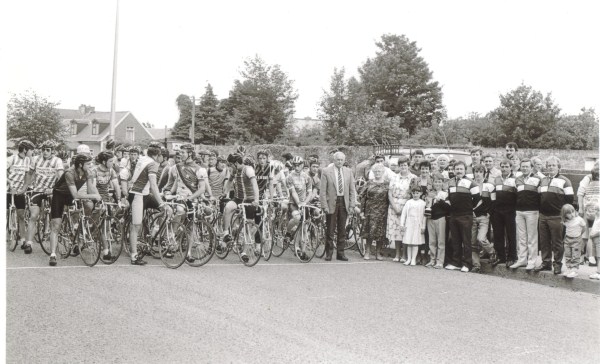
193 131
113 100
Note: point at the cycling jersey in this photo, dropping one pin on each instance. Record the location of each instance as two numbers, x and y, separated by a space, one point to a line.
71 178
187 176
263 175
17 169
301 182
104 177
243 183
144 167
280 180
217 180
45 172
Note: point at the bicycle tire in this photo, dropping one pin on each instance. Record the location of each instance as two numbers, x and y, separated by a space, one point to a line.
305 244
267 238
222 248
245 239
64 240
202 248
43 231
320 226
280 243
173 250
352 233
114 239
88 242
12 229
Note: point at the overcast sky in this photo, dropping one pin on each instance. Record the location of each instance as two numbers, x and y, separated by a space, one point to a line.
476 50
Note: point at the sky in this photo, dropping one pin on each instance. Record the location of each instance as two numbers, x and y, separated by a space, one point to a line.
477 50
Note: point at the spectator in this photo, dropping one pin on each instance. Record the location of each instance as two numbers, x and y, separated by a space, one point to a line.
511 149
575 227
503 216
556 191
527 216
595 237
417 158
475 160
436 224
374 206
491 172
537 167
481 220
363 168
589 203
399 193
388 174
413 224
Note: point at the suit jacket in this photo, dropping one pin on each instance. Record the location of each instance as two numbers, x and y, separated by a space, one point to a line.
328 188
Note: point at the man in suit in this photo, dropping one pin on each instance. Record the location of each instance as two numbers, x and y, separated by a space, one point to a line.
338 197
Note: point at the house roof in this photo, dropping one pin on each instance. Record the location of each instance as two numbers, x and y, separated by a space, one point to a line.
159 133
101 116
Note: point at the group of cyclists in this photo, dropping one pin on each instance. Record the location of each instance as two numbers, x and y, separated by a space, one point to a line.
137 181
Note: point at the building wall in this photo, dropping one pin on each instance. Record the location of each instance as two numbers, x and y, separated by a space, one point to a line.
139 131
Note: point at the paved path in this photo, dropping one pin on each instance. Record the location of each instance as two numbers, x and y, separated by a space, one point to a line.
287 312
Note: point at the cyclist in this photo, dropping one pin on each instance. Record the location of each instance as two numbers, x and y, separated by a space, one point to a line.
314 173
300 191
162 175
64 156
66 189
128 165
107 179
218 175
264 174
19 179
245 190
143 194
45 169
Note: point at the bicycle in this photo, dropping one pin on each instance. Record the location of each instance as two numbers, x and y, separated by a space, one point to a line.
279 228
266 229
78 235
353 239
244 242
12 225
305 237
110 226
202 248
42 234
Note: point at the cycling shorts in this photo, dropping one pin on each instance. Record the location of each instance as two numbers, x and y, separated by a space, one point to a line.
19 201
57 206
37 199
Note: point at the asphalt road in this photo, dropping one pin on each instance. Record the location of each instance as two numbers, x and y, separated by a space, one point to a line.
287 312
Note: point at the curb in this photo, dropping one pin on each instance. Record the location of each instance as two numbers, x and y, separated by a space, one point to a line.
580 283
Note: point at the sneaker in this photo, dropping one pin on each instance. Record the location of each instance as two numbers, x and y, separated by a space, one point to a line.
572 274
476 270
395 260
451 267
429 265
595 276
244 258
438 266
190 259
530 267
52 261
75 251
366 257
464 269
107 256
138 261
592 262
516 265
402 260
28 249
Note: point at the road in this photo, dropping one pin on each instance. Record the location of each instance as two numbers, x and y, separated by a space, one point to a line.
287 312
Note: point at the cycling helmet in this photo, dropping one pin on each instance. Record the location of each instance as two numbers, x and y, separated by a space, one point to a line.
297 160
48 144
221 159
135 149
104 156
62 154
81 158
289 165
241 149
248 160
204 152
312 161
154 145
26 144
187 146
121 148
110 144
264 152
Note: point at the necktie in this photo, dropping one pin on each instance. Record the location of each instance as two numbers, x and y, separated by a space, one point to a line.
340 183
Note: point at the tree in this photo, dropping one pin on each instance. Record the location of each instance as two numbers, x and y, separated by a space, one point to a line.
181 129
210 119
148 124
372 126
400 80
524 115
35 118
261 102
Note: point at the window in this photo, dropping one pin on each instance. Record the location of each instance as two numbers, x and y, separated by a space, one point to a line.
73 128
95 127
130 136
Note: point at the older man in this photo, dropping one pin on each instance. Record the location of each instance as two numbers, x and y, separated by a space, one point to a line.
556 190
338 197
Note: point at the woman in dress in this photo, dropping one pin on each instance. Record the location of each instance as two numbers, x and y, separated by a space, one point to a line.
398 194
374 207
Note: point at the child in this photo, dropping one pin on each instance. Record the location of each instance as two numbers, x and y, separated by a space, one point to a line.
412 224
436 223
595 236
575 227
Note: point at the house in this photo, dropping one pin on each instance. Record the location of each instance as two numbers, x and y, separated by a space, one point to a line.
87 126
306 122
163 135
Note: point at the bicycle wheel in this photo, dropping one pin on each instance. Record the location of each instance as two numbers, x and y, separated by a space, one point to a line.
12 229
65 239
174 245
113 241
249 243
42 235
280 242
352 232
202 247
88 242
222 248
125 232
305 241
266 229
320 226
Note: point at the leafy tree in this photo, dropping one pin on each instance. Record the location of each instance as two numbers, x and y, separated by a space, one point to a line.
573 132
35 118
261 102
210 119
373 126
400 80
181 129
524 115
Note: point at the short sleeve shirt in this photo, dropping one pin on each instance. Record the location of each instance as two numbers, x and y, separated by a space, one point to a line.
45 172
17 169
145 167
301 182
103 179
71 178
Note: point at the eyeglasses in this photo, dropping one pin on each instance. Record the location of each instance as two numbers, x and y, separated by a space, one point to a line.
47 149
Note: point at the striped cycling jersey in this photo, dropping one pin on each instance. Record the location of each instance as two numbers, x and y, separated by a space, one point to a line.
17 169
144 167
45 172
104 176
263 175
187 176
301 182
243 183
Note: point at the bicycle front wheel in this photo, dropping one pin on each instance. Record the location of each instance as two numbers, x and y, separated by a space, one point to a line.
113 240
43 231
221 248
174 247
267 238
88 243
279 244
202 247
12 230
305 241
320 227
249 243
64 239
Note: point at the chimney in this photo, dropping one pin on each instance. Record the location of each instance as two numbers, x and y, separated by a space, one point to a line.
82 109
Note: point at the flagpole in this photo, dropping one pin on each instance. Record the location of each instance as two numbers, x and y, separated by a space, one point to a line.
113 100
